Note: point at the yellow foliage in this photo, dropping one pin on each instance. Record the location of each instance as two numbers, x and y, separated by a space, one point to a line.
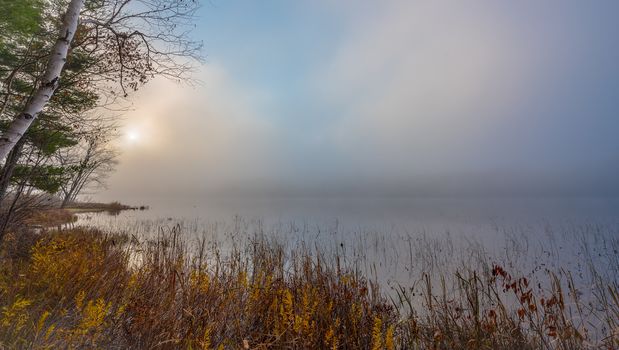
15 315
242 278
90 285
65 262
93 317
377 334
286 309
206 339
120 310
331 338
49 331
132 282
42 320
389 341
79 299
200 280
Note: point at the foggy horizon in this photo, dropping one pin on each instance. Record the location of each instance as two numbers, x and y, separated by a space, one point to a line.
394 98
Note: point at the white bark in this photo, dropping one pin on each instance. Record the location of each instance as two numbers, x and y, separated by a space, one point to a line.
48 84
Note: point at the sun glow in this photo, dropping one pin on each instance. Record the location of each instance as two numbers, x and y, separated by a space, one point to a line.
133 136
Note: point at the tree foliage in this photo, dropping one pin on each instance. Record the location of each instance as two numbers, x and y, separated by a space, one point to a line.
118 46
20 18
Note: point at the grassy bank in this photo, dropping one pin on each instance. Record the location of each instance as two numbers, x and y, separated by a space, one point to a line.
53 217
84 289
91 207
49 218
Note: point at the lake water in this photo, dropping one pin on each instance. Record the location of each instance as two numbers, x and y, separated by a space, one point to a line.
394 240
376 212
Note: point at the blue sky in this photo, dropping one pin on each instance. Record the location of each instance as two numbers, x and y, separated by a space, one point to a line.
432 97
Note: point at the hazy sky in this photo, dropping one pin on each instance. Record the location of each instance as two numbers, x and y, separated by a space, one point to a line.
385 97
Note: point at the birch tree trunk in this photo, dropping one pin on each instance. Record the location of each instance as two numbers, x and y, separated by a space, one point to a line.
49 83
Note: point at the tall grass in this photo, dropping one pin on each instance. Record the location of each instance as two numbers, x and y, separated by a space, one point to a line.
81 288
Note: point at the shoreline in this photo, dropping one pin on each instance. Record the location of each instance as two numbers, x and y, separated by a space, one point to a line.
51 217
91 207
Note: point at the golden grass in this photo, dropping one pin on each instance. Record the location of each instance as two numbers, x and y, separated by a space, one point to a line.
49 217
84 289
81 288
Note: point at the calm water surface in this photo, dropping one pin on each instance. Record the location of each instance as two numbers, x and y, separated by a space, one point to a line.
394 240
439 214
